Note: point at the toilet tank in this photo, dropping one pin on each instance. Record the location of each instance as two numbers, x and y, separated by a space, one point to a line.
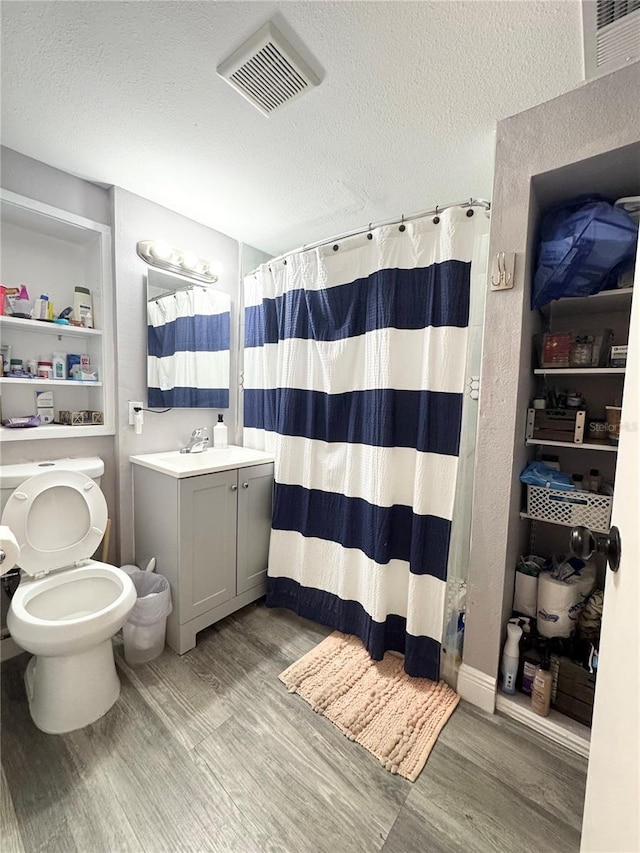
11 476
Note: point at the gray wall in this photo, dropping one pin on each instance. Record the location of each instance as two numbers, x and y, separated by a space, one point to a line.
250 258
138 219
132 219
36 180
601 116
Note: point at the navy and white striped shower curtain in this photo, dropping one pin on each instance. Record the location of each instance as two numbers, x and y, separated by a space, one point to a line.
354 368
188 340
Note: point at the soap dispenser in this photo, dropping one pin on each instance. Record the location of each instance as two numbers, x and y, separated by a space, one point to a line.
220 434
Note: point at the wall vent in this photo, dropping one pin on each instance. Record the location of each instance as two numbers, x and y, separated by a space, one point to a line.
611 35
268 71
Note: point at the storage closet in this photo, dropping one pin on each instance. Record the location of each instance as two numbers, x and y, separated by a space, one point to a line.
575 385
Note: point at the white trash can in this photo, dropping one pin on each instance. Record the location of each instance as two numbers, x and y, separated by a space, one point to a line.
145 630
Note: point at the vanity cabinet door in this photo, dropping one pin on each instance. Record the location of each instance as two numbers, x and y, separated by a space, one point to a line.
255 500
208 507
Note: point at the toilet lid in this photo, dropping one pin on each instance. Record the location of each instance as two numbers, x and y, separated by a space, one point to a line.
58 518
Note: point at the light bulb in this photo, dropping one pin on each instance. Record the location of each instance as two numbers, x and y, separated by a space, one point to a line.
161 250
190 261
213 268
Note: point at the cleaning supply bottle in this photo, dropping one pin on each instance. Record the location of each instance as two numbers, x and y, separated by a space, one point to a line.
595 480
220 434
511 658
541 689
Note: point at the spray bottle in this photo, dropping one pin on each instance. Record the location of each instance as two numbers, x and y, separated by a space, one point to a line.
511 658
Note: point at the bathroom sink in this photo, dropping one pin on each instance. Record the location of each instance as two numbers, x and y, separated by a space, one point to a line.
177 464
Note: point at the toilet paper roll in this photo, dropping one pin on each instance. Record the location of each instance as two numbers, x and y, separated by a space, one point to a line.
560 602
9 548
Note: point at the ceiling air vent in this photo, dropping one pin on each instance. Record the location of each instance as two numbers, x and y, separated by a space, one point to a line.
611 34
268 71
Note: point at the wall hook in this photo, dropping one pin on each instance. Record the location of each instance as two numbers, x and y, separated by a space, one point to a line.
502 271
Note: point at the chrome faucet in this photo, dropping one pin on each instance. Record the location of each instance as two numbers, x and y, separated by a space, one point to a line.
198 442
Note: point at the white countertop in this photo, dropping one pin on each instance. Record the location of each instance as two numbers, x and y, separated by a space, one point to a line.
176 464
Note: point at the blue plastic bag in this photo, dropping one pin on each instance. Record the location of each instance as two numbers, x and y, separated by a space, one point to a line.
539 474
584 244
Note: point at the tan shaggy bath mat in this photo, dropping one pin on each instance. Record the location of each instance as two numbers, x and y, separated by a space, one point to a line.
396 717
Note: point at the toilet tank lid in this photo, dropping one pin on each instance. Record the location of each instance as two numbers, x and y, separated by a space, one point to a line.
11 476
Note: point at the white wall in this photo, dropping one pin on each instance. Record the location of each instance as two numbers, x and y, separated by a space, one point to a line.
138 219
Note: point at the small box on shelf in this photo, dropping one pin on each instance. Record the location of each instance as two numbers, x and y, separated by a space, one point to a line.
81 418
585 349
556 424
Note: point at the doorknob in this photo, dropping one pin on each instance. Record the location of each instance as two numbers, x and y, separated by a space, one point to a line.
234 488
583 543
245 485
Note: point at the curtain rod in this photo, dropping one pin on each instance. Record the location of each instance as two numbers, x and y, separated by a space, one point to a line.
472 202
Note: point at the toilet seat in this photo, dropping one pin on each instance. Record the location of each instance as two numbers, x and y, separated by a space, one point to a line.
58 518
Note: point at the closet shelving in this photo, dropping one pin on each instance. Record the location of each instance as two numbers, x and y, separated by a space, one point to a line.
537 442
579 371
600 386
52 251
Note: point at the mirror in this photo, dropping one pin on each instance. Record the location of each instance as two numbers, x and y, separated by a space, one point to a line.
188 343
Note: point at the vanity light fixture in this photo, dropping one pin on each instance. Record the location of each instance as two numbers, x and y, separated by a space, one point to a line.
158 253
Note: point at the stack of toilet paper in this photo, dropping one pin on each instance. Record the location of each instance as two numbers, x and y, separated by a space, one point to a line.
561 601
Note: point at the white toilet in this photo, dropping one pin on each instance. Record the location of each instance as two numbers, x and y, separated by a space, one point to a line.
67 607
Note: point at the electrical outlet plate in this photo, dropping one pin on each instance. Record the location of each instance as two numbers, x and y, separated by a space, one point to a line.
132 405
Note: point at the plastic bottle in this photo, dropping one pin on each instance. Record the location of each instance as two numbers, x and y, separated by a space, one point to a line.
578 482
220 434
594 480
59 364
541 689
511 658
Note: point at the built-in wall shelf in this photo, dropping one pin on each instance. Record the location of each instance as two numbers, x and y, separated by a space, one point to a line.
557 727
52 383
53 431
612 448
53 251
579 371
606 300
23 325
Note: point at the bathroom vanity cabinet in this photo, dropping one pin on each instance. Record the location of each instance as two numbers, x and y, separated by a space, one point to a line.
209 532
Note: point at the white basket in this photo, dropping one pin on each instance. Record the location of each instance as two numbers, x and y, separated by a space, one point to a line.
570 508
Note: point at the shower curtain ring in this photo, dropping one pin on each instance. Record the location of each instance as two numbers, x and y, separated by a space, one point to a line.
402 225
369 235
436 218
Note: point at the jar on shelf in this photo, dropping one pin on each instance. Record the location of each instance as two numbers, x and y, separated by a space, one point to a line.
581 351
45 370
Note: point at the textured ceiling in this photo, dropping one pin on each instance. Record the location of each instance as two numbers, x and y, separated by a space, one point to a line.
126 93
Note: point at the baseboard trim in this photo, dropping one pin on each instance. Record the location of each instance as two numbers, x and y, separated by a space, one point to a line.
477 687
9 649
557 727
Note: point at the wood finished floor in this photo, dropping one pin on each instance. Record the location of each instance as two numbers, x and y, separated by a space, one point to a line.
208 752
